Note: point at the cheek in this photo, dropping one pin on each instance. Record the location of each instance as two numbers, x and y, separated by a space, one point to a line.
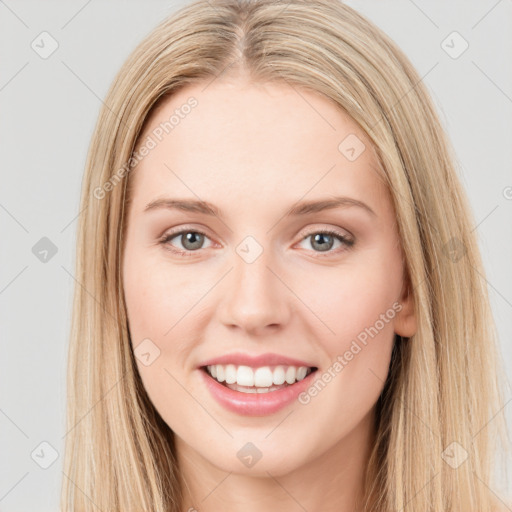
357 305
353 298
158 301
164 305
157 297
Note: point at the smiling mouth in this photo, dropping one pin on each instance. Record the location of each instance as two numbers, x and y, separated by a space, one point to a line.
259 380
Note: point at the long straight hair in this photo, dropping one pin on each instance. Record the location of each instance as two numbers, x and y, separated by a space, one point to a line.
445 382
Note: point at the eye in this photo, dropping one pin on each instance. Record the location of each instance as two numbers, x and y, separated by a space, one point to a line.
323 241
190 239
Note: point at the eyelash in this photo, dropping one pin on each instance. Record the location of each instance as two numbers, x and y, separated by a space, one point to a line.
342 238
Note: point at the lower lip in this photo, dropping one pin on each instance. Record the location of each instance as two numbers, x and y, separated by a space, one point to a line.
255 404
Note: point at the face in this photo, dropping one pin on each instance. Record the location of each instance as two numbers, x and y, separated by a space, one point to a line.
324 286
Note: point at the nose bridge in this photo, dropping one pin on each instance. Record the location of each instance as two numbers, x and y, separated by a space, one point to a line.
255 298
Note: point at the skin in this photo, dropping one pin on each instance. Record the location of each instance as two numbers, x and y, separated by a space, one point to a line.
254 151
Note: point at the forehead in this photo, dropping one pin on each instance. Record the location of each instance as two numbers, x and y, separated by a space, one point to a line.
280 141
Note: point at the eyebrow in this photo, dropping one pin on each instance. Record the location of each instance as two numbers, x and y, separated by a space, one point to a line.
302 208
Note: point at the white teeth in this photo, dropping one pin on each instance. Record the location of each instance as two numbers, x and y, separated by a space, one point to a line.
301 372
291 373
230 374
279 375
220 373
260 378
245 376
263 377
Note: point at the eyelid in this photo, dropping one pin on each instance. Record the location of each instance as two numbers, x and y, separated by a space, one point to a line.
183 229
324 229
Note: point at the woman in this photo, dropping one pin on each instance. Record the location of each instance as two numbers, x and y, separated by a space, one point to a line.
281 304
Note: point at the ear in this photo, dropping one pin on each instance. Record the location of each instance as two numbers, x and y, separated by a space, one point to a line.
406 323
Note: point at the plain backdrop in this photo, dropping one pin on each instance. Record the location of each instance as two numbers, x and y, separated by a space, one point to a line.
48 107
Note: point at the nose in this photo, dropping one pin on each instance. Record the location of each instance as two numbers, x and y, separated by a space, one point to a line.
255 299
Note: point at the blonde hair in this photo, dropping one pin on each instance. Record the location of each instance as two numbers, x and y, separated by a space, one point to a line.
445 382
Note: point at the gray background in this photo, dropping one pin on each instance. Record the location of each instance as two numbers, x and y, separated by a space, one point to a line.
48 108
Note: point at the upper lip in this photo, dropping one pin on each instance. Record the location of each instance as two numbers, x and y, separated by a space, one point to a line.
268 359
